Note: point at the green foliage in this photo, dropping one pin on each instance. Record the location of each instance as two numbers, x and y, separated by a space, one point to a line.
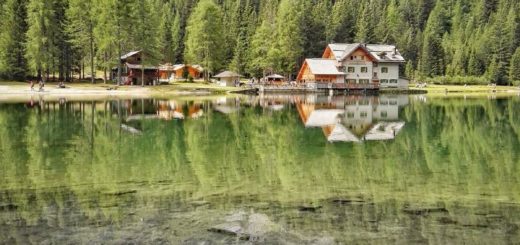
439 37
514 67
204 37
13 64
458 80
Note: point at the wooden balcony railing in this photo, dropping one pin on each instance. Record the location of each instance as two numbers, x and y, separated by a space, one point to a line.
347 86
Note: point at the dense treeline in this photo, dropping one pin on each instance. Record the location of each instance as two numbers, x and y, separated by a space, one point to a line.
455 38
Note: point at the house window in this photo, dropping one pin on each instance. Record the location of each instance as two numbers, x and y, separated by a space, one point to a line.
364 102
352 57
351 81
384 69
362 57
363 81
384 114
393 80
341 68
363 114
384 80
351 69
364 69
350 114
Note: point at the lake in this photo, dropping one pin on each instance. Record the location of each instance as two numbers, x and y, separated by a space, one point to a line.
272 169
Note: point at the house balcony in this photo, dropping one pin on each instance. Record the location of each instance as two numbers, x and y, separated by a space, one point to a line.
350 86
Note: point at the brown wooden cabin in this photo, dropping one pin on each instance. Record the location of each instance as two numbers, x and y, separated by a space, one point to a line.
132 68
170 73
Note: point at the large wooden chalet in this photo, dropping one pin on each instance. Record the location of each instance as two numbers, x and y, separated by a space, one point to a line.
354 66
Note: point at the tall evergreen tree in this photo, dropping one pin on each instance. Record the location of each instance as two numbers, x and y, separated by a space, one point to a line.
287 52
80 27
204 37
514 67
432 55
13 64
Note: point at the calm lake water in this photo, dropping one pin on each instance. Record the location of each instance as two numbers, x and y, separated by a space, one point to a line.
276 169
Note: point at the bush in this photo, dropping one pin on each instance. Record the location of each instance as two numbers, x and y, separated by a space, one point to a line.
458 80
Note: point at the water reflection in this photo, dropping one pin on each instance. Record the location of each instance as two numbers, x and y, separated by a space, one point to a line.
342 118
353 118
169 170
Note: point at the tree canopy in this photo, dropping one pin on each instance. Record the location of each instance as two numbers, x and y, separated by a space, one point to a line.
438 37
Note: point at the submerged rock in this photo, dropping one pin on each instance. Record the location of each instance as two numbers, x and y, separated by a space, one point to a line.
252 227
425 210
231 228
309 208
120 193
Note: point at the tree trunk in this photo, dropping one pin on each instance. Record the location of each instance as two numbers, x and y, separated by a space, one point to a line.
105 68
92 75
82 70
119 52
142 69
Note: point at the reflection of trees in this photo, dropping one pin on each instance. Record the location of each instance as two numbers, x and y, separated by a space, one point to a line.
451 150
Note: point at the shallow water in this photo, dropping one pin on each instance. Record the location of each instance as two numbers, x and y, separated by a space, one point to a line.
278 169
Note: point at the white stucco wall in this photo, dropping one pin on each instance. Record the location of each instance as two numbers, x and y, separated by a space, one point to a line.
357 74
393 74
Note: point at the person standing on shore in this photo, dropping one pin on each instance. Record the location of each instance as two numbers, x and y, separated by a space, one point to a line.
31 84
42 84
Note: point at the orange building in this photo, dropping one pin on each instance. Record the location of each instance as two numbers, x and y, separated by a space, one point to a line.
170 73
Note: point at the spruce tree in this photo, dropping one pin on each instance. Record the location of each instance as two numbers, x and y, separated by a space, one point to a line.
204 37
80 27
13 64
514 67
288 48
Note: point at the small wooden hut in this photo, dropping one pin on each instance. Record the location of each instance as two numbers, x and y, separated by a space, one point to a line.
228 78
275 79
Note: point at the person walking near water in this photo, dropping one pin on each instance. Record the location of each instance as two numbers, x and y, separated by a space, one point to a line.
42 84
31 85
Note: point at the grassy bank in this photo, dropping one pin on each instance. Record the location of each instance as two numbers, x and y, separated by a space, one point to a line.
443 89
182 87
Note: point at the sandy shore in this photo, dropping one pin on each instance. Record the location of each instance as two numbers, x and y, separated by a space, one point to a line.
23 93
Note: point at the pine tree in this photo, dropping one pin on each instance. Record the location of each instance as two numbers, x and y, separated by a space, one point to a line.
246 30
514 67
288 48
80 27
432 54
261 43
144 33
364 26
39 46
13 64
204 39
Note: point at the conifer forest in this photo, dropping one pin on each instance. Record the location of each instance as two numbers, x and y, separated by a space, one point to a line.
477 39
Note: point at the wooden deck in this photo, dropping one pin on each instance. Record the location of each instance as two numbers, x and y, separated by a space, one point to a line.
348 86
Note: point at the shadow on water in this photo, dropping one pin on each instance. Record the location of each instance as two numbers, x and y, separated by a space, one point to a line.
307 169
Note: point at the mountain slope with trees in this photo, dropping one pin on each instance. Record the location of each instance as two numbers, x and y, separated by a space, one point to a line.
476 39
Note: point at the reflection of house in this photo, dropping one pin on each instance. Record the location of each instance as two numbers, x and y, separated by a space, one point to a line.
226 105
354 66
170 73
354 119
132 68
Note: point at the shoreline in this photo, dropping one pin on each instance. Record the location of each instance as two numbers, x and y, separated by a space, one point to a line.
18 91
